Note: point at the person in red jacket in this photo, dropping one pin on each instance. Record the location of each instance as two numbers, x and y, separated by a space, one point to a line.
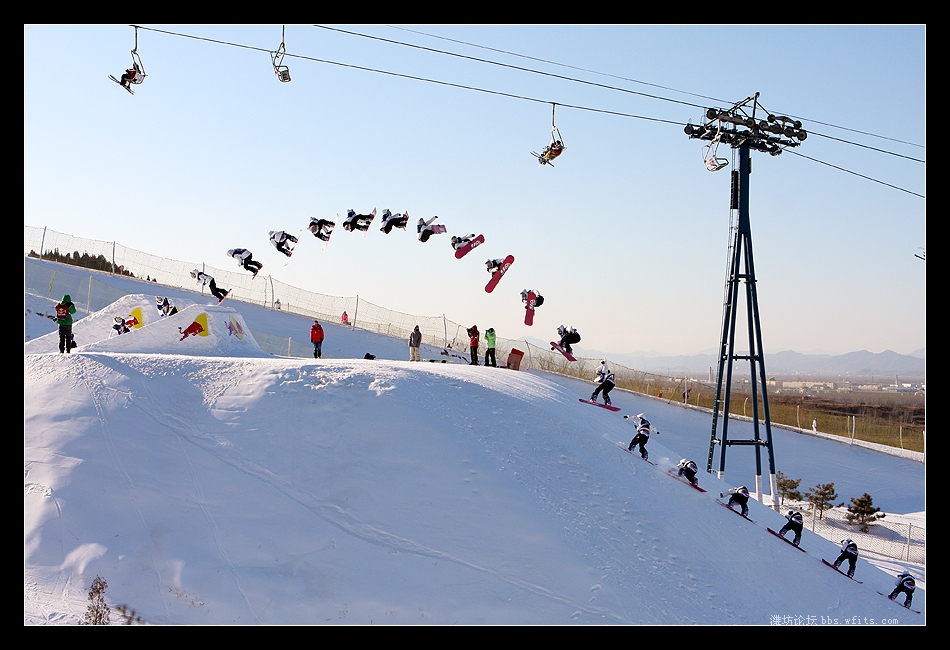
473 336
316 337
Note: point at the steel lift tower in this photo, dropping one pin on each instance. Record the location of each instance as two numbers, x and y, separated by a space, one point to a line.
737 127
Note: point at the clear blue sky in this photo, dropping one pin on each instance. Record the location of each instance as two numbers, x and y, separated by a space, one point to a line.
625 236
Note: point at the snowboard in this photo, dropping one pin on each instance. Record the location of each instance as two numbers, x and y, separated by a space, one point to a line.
567 355
226 294
496 276
257 271
291 248
789 542
467 248
529 308
603 406
839 570
372 215
894 600
637 453
121 84
729 508
326 242
683 480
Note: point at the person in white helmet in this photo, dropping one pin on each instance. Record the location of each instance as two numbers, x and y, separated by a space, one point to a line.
644 428
279 239
849 552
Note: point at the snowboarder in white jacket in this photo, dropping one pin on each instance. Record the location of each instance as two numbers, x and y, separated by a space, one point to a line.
604 381
391 221
204 279
795 523
245 260
849 552
688 469
905 585
644 429
279 239
738 496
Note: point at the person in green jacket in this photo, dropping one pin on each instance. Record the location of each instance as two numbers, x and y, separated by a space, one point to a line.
64 318
490 347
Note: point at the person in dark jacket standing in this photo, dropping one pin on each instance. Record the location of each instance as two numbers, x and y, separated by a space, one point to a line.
473 336
64 318
415 341
316 337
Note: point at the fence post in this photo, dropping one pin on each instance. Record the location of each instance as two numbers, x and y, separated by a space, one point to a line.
357 310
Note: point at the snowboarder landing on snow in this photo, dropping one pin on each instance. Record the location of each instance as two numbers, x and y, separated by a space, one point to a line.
279 239
360 222
204 279
460 242
738 496
321 228
688 469
643 434
569 337
604 381
425 229
795 522
391 221
245 260
905 585
849 552
538 298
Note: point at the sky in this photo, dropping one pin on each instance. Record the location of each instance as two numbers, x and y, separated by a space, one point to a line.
382 494
626 235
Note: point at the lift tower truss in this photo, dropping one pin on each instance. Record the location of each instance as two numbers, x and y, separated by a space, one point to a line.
738 128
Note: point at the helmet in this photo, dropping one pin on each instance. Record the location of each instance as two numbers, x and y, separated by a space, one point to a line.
270 233
231 253
119 319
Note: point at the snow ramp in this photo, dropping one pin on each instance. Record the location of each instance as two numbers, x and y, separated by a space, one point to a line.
202 330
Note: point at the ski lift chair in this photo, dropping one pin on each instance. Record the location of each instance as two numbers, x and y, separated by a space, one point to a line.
277 59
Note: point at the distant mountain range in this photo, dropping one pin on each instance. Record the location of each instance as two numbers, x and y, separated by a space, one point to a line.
788 362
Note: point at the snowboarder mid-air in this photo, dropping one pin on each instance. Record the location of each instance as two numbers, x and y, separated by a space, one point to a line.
538 298
460 242
279 239
321 228
425 229
569 337
203 279
360 222
245 260
391 221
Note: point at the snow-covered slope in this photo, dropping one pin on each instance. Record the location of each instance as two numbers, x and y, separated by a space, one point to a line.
215 489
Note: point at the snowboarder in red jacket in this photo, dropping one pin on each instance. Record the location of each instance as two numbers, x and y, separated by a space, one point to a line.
316 337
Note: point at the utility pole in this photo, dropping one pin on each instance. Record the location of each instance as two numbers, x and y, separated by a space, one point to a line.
737 127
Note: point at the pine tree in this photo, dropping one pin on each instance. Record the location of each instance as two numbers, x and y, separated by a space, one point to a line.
822 497
787 487
97 612
862 512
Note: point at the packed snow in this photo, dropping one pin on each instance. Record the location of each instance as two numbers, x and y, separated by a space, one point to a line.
211 483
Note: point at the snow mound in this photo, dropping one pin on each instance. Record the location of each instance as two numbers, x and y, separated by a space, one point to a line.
202 330
138 310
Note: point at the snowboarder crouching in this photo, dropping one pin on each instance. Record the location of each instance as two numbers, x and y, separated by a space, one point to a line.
460 242
493 266
849 552
425 228
905 585
739 496
688 469
355 221
795 522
